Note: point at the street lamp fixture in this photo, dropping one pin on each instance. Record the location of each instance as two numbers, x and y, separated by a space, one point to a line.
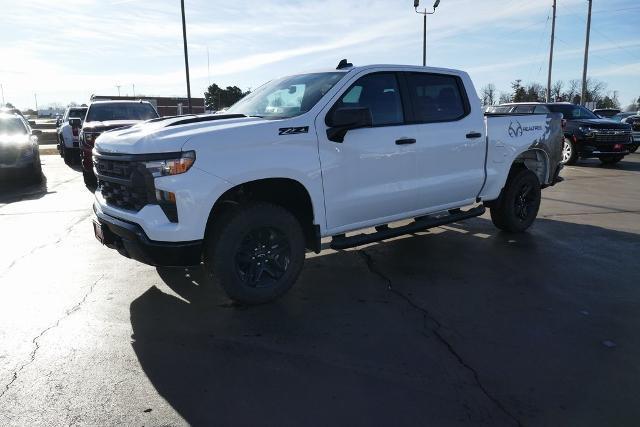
416 5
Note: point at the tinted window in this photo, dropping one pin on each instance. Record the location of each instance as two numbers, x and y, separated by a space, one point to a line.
379 92
524 109
121 111
435 97
541 109
572 112
12 125
77 113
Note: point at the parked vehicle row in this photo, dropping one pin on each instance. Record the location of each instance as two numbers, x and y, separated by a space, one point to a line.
19 153
586 135
68 132
317 155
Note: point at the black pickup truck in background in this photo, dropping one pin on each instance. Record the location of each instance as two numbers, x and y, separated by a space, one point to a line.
585 134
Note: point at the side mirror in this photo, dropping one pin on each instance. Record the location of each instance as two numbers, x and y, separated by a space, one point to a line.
32 123
342 120
36 132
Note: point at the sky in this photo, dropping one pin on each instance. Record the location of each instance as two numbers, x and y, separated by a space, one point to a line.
64 51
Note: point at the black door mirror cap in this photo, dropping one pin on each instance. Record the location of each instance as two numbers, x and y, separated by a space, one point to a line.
342 120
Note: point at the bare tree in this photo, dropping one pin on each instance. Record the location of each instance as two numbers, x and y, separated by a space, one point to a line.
504 98
573 92
556 91
488 94
595 90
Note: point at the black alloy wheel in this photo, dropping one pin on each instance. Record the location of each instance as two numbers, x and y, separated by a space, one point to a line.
263 257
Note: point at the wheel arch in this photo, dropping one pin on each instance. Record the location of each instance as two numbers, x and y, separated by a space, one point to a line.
288 193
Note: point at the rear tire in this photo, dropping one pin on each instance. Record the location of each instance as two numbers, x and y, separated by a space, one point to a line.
67 155
517 207
634 148
255 252
610 160
569 153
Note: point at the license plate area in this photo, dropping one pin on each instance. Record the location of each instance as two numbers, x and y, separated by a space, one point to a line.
99 231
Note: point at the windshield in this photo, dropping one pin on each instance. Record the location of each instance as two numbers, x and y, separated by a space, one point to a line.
121 111
77 113
286 97
12 126
572 112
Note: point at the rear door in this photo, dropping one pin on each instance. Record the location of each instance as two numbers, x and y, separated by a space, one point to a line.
450 144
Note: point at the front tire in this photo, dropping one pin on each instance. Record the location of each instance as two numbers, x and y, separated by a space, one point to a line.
89 179
256 252
517 207
569 153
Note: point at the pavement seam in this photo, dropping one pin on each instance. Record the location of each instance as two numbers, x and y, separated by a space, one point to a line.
590 213
436 331
32 356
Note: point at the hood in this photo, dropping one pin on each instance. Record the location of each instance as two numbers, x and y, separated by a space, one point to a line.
169 134
600 124
108 125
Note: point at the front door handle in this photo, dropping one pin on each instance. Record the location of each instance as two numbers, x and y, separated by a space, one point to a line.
473 135
405 141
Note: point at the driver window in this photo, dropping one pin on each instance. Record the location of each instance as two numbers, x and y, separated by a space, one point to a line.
379 92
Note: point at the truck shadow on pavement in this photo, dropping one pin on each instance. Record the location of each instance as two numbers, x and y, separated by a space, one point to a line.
460 326
14 188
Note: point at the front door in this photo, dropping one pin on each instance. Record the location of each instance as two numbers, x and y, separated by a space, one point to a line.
371 175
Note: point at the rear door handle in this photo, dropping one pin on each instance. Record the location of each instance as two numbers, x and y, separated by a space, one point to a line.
405 141
473 135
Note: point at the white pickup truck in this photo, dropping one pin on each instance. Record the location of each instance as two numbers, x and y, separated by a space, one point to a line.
317 155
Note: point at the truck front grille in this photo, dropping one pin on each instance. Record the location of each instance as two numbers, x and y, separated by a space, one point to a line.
613 136
124 184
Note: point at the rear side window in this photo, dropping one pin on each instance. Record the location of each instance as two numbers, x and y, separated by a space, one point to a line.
541 109
380 93
436 97
524 109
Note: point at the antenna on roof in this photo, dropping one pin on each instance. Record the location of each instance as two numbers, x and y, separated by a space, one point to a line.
344 64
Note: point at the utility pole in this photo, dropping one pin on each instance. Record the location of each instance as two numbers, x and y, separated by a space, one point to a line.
416 4
35 95
2 90
583 97
186 56
208 68
553 35
134 89
118 86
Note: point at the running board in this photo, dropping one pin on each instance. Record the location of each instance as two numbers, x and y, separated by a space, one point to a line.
419 224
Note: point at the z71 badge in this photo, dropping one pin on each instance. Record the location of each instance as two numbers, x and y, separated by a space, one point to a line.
293 131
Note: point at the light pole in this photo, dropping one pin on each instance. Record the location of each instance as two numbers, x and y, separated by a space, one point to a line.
583 96
186 55
416 4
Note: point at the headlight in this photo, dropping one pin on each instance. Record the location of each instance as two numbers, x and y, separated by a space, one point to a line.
587 130
171 166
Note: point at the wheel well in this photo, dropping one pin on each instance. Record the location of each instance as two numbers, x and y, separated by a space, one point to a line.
536 161
284 192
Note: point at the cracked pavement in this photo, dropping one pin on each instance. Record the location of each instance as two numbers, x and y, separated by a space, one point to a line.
460 325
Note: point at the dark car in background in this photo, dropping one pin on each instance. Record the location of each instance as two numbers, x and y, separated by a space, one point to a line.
103 116
19 153
606 113
585 134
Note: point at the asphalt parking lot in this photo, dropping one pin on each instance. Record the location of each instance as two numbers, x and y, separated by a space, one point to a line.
461 325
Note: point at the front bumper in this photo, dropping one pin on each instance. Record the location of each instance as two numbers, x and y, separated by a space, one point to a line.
130 240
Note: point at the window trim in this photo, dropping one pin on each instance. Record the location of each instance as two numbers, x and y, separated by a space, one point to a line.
400 93
461 88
